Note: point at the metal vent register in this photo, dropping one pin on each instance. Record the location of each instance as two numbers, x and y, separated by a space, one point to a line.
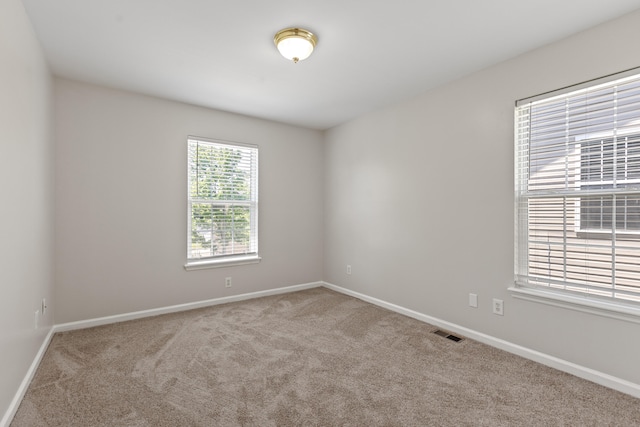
447 335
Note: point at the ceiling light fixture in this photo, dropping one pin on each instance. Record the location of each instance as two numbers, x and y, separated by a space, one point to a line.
295 44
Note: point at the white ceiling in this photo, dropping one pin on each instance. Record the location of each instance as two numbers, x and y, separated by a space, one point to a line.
371 53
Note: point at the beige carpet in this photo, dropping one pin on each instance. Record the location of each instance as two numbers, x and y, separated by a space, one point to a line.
310 358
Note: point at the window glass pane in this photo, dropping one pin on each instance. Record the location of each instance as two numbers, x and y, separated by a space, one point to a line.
222 199
631 148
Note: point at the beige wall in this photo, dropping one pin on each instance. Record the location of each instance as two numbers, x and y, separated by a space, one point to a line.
121 203
26 213
419 201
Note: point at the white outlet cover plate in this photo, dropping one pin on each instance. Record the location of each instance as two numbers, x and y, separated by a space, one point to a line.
498 306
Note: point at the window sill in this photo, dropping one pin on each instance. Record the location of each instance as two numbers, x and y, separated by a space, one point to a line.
225 262
619 311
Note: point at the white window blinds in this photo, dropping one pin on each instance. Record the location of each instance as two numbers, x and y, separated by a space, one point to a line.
578 190
223 199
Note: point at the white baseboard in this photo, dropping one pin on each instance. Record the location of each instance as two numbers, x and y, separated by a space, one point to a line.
545 359
82 324
597 377
24 385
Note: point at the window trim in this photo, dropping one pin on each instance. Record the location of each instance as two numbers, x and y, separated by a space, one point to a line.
614 310
220 261
578 86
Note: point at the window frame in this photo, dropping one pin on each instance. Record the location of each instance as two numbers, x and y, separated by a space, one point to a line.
528 287
233 259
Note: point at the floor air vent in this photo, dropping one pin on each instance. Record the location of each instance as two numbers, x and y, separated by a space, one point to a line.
447 335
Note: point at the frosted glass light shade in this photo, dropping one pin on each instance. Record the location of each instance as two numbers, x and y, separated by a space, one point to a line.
295 44
295 49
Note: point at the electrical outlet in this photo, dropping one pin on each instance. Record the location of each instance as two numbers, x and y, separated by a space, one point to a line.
348 269
498 307
227 282
43 307
473 300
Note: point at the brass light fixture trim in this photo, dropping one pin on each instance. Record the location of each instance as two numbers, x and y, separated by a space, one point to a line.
295 43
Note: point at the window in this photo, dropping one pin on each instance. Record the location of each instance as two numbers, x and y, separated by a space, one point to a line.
222 203
578 192
600 160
